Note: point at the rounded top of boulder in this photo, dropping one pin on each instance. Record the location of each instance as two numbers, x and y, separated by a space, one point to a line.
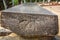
29 8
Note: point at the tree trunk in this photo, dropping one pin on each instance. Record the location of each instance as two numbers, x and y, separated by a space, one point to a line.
19 1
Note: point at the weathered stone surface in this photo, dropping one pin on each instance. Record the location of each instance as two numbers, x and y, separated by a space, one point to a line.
31 24
30 21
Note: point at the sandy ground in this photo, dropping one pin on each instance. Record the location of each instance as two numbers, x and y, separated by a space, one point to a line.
12 36
54 9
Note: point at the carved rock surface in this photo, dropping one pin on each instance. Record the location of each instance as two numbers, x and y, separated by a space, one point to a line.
30 20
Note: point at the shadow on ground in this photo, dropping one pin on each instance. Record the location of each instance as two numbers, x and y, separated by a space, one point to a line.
57 38
16 37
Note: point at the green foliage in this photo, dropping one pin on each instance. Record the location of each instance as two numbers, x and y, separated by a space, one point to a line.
30 0
58 0
33 0
15 2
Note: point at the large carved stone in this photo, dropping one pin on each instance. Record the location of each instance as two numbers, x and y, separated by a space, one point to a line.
30 20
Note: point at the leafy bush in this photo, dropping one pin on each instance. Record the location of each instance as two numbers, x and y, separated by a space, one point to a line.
16 2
